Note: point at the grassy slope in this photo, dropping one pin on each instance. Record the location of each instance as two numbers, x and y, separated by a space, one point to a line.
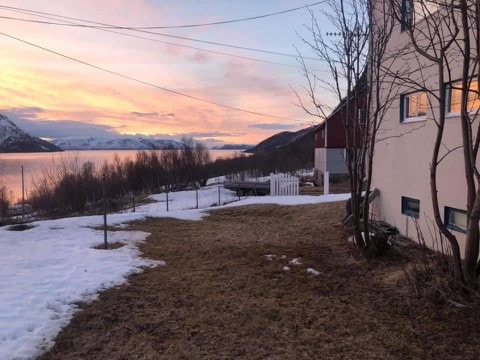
219 297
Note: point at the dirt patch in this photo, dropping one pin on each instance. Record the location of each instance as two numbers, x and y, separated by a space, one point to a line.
110 246
20 227
220 297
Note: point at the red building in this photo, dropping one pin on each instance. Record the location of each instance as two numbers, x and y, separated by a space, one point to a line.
331 136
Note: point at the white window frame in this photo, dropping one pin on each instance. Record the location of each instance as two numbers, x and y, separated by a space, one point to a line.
449 91
449 211
404 103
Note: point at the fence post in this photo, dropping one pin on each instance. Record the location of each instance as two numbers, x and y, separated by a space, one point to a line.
104 212
196 194
133 200
23 197
326 183
167 200
272 185
218 195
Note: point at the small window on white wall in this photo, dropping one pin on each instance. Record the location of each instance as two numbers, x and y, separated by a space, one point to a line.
454 97
410 207
413 106
456 219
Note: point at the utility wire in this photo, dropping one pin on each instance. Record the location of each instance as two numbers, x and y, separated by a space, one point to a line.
211 23
110 26
148 83
169 43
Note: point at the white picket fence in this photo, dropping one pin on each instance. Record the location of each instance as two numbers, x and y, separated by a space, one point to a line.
283 184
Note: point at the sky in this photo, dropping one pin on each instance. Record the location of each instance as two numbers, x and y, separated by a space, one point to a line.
54 97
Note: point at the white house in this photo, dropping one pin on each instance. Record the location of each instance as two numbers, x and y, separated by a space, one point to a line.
403 154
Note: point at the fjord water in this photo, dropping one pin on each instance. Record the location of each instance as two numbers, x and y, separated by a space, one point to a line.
33 163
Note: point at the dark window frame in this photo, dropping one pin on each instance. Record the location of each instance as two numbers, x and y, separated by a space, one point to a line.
408 209
407 13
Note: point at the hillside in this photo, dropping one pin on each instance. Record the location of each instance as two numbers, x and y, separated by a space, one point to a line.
15 140
239 147
287 141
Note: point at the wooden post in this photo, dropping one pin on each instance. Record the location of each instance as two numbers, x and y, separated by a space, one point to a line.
104 212
167 200
133 200
23 197
219 195
196 195
272 184
326 183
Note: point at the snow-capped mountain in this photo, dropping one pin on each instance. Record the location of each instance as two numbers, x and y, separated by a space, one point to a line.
13 139
115 143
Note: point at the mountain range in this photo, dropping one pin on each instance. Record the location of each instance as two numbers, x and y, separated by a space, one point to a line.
15 140
116 143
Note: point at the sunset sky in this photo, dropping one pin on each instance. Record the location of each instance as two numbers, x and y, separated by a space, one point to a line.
52 97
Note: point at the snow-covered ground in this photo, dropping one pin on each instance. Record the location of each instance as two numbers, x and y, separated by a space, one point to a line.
46 270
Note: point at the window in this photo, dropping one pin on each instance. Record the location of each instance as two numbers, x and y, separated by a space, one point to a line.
413 11
413 106
410 207
407 14
454 97
456 219
361 118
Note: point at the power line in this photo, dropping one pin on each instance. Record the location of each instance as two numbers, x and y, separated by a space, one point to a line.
222 22
147 83
110 26
165 42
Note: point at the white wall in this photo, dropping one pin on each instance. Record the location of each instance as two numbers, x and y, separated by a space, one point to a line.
402 162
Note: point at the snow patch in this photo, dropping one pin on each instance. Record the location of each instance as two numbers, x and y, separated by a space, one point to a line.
296 261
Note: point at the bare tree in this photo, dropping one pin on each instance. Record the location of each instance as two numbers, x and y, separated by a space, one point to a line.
353 52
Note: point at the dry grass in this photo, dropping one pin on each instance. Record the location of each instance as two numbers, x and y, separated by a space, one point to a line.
339 187
218 297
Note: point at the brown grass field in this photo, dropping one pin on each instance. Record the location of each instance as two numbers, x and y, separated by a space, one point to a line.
219 297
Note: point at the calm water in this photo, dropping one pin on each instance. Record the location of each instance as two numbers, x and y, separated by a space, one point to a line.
33 163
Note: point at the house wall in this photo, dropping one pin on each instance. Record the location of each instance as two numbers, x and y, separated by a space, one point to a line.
320 137
402 163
